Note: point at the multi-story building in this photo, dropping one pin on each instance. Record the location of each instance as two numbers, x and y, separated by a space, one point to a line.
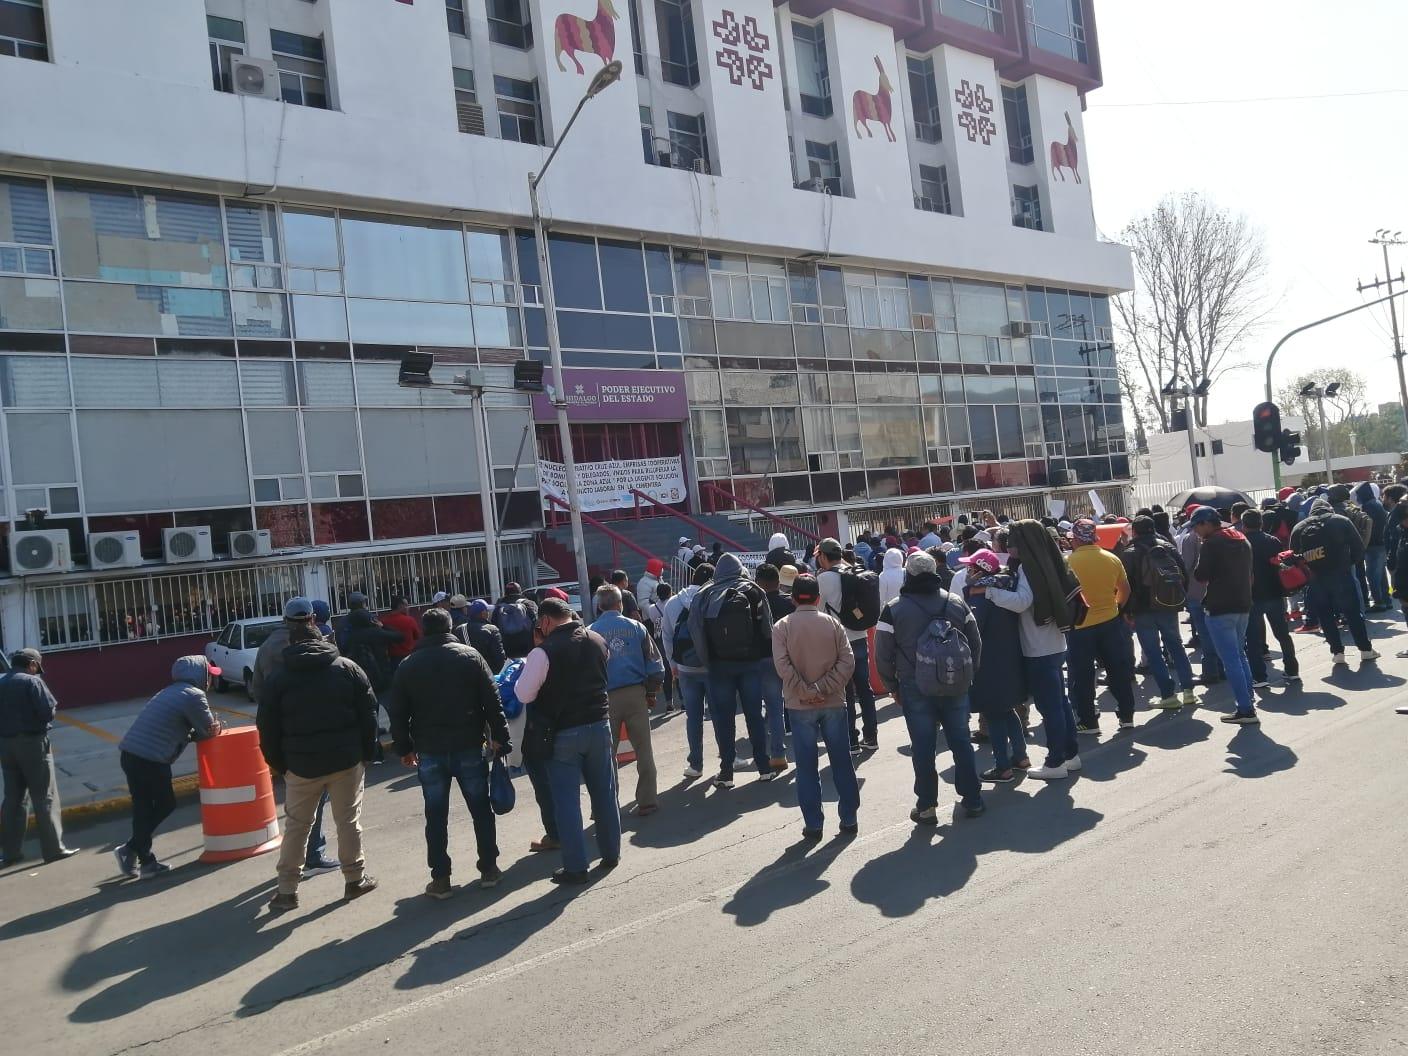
857 234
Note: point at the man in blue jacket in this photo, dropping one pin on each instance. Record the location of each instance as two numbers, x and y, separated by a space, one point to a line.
634 672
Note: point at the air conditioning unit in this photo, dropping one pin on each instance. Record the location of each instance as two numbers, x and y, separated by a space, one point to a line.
471 117
816 183
114 549
257 77
251 544
40 551
182 545
1020 328
701 165
664 159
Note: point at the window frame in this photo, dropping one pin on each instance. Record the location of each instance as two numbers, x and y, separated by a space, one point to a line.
935 178
292 66
222 50
928 123
517 117
812 35
676 18
455 15
21 47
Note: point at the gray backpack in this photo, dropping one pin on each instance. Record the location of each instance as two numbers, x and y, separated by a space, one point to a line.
943 663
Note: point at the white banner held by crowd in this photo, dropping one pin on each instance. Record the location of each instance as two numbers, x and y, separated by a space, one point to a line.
607 485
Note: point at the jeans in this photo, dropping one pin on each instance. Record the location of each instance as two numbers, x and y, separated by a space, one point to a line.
693 689
542 792
831 725
1158 633
734 684
1048 688
582 754
858 691
1211 665
470 770
1009 740
1274 613
1376 560
1109 643
1331 596
153 800
923 716
1228 634
773 710
28 764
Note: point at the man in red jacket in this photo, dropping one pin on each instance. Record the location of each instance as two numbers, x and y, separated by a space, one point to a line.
399 619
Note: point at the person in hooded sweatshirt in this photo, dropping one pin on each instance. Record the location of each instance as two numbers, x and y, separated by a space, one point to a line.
779 552
317 727
1375 554
1331 546
690 674
167 723
1225 565
999 686
891 576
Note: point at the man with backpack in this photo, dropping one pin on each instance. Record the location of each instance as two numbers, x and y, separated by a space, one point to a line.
482 636
514 616
1331 546
729 621
1158 584
927 647
852 595
1268 602
691 675
364 642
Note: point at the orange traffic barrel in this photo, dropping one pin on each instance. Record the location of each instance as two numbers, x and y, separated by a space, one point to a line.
625 750
237 809
1110 534
876 686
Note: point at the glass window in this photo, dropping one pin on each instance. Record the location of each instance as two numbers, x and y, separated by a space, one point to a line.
129 234
267 383
319 318
22 30
469 115
759 388
211 474
509 23
679 60
1009 433
518 110
409 322
273 442
933 189
1019 124
326 385
311 239
924 98
226 40
623 276
813 74
1058 26
34 381
576 281
824 165
419 452
330 438
406 259
41 448
490 255
891 436
982 308
750 439
985 14
303 71
164 311
710 439
689 146
260 314
454 16
1026 207
30 304
24 213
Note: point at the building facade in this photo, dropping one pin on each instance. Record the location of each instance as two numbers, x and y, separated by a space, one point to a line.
856 235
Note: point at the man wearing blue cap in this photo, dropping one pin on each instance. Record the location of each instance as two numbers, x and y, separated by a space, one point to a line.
481 635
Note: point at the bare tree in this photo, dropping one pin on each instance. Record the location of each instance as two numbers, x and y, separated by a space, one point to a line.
1143 409
1348 406
1198 296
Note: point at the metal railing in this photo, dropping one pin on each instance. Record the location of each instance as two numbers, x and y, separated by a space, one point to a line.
781 522
699 526
421 574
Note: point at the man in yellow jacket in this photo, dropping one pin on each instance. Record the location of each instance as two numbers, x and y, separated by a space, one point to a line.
1102 635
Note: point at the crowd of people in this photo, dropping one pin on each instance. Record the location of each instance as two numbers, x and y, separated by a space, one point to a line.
470 687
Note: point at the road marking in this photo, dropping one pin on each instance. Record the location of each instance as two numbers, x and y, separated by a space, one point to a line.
79 724
225 709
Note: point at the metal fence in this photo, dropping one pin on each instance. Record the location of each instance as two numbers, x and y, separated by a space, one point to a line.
765 527
421 574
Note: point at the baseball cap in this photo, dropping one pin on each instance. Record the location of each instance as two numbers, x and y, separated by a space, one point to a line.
458 601
1064 526
1083 531
805 590
298 608
1205 515
555 592
21 657
787 575
477 608
321 611
831 548
920 564
984 559
683 539
440 596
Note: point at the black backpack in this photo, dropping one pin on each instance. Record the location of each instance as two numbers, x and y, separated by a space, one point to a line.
860 598
732 629
1163 579
682 643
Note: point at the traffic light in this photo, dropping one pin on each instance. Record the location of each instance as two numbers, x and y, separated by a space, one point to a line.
1289 446
1266 427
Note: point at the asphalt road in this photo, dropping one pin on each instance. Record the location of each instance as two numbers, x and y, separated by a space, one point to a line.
1200 888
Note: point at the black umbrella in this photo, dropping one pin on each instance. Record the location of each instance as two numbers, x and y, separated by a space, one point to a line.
1220 499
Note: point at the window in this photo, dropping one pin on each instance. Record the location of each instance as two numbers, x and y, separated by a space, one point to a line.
647 136
454 15
813 76
985 14
1026 207
689 146
1019 124
509 23
745 289
924 97
226 40
636 49
1201 450
933 189
469 113
26 239
22 30
1058 26
137 235
679 61
824 166
877 301
303 71
518 110
1217 447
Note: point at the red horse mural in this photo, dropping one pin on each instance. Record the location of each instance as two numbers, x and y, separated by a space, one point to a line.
597 37
867 107
1066 155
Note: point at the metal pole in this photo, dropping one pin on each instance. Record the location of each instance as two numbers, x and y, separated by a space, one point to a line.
1397 344
559 380
1192 446
1324 438
486 494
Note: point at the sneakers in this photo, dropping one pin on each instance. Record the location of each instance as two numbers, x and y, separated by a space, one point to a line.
1338 659
357 888
974 810
1263 684
1239 719
1292 680
1169 703
64 852
1126 724
1073 763
770 775
490 877
151 870
282 903
811 834
126 861
439 887
318 866
855 751
998 777
1368 656
724 781
568 877
1088 727
869 744
851 829
1049 773
693 772
927 816
1188 699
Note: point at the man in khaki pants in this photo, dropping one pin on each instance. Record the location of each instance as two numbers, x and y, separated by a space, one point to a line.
317 726
634 672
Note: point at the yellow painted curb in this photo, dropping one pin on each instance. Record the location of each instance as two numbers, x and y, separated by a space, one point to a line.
182 786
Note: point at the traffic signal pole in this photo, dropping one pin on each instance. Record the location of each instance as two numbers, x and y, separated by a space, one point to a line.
1271 360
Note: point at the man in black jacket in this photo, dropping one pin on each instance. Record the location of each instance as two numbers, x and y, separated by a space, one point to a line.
443 700
563 684
1331 546
514 616
317 726
1156 619
1268 603
479 634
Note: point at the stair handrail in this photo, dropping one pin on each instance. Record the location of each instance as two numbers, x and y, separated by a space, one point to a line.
804 533
610 533
699 526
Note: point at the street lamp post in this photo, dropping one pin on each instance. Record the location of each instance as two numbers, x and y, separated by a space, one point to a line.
604 78
1173 390
1321 395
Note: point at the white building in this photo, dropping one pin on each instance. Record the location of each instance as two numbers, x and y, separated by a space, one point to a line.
1225 455
858 234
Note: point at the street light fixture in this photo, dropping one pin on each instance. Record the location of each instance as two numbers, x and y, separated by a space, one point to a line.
1174 390
1320 395
604 78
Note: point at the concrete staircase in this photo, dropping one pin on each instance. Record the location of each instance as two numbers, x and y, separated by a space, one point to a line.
657 535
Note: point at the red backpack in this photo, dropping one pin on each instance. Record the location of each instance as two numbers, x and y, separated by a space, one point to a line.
1292 570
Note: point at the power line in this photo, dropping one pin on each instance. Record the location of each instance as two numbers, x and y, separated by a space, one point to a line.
1250 99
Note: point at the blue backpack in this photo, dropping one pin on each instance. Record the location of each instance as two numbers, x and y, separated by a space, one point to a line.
506 680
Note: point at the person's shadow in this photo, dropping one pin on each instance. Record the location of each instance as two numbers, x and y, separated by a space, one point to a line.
789 881
109 893
1251 754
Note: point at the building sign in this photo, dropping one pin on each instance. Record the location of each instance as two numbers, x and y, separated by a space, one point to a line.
618 396
607 485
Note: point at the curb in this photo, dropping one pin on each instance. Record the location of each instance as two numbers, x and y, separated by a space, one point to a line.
184 785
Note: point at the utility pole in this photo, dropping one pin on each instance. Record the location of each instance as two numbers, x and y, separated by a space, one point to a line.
1384 238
